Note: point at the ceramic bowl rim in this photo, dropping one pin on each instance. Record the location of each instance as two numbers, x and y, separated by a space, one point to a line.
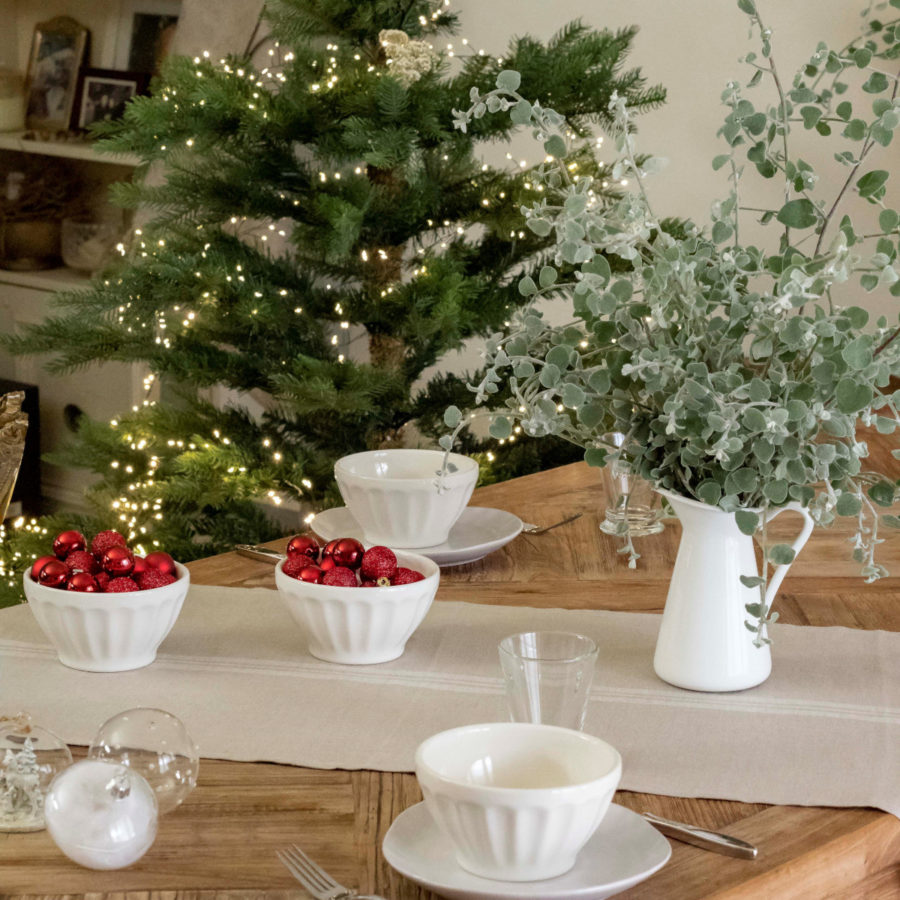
467 468
508 792
89 599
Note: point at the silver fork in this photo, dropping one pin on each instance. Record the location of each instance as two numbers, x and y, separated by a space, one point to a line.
315 879
528 528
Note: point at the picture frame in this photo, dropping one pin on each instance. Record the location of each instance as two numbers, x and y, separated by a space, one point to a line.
145 33
103 93
58 49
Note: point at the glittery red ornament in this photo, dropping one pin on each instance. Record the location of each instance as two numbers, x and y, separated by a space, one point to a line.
348 552
84 582
406 576
303 545
67 542
140 566
102 579
104 540
118 561
121 586
367 582
162 562
82 561
378 562
39 564
340 576
54 574
153 578
293 564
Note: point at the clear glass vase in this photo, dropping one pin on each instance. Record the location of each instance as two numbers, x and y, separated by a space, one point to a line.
633 508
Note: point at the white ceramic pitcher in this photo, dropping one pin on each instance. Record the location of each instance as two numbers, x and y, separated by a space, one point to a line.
703 643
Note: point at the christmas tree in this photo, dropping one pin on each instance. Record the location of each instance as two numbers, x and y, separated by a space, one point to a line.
320 236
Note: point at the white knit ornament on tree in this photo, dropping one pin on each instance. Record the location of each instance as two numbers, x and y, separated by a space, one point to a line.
408 60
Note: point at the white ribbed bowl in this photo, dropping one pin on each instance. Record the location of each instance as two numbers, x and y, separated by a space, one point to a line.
393 496
107 632
357 625
517 800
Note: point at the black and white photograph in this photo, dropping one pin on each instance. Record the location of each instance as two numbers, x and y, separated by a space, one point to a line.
103 93
56 55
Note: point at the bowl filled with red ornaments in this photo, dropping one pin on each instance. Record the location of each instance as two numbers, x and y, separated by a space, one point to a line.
104 608
357 606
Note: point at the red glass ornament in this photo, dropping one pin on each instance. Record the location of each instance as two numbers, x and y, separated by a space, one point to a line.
310 574
327 564
303 544
328 549
118 561
54 573
67 542
348 552
39 564
81 581
162 562
140 566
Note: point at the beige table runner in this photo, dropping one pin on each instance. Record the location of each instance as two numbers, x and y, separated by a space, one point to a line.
823 730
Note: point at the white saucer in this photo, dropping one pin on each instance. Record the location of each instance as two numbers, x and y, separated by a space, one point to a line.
478 531
623 851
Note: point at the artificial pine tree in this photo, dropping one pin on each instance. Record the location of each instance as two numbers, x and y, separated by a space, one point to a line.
322 235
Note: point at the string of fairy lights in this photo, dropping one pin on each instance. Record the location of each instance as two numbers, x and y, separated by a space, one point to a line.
141 504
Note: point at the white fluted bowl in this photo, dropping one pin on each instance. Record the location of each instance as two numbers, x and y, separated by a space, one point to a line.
357 625
517 800
393 495
107 632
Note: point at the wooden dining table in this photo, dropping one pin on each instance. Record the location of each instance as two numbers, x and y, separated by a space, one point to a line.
222 842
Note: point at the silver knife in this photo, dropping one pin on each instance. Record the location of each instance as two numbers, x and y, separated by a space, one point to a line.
259 553
700 837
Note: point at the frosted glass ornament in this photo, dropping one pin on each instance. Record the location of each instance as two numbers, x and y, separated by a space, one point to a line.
30 758
101 815
156 745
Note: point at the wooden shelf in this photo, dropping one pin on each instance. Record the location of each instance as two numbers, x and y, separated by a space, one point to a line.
62 279
16 140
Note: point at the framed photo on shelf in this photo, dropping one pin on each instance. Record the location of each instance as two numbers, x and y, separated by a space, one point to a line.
57 52
103 93
145 35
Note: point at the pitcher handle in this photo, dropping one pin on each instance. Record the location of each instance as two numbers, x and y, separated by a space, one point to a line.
780 571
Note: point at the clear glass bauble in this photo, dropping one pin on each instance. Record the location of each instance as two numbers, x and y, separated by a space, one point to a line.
101 815
30 758
156 745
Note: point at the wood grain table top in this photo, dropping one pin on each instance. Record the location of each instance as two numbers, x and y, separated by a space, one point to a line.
221 843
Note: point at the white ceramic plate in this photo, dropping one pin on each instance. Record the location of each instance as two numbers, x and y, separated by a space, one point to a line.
478 531
623 851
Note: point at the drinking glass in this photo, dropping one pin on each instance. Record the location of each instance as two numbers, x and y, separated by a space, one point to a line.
634 509
548 676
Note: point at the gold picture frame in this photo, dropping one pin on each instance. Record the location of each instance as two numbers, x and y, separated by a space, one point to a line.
57 54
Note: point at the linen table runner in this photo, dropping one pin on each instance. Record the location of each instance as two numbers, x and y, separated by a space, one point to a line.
823 730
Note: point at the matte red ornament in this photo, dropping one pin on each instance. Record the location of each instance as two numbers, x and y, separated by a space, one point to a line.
140 566
54 573
82 561
348 552
39 564
84 582
118 561
340 576
103 540
67 542
303 545
378 562
162 562
407 576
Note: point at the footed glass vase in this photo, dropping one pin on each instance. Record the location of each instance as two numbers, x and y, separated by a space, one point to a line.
703 643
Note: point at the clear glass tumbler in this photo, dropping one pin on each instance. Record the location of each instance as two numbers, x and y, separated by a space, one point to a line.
548 676
633 509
